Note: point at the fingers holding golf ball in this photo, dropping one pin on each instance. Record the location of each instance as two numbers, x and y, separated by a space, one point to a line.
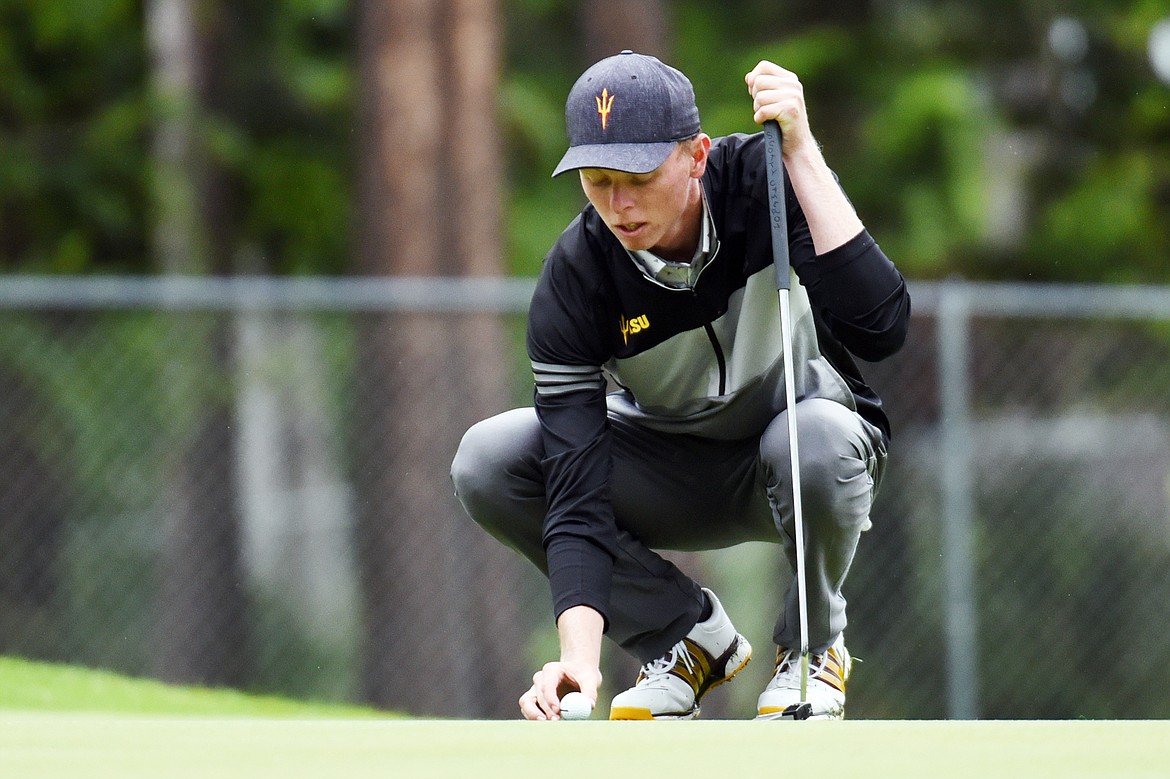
555 681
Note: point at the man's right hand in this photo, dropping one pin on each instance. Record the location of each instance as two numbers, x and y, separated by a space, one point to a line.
554 680
580 629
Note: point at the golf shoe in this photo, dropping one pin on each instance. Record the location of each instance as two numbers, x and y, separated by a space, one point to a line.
827 674
671 686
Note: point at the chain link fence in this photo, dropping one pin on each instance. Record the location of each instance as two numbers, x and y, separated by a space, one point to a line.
245 483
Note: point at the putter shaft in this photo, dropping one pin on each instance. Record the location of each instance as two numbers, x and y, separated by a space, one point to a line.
773 144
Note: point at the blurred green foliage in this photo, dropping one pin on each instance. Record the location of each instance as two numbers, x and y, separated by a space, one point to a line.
76 113
997 140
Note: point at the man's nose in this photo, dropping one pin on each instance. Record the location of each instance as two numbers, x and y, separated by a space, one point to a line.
621 198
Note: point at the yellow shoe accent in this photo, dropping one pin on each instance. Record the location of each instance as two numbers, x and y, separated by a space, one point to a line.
630 713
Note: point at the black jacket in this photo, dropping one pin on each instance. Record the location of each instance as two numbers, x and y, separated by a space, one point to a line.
705 361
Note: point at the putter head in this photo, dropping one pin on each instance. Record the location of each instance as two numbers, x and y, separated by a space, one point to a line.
797 711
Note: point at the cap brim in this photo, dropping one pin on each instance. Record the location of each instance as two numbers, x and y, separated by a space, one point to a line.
626 157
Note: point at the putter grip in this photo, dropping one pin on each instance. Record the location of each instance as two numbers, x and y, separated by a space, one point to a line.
777 210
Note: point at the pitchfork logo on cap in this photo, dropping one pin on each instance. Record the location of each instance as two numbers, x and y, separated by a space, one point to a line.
604 106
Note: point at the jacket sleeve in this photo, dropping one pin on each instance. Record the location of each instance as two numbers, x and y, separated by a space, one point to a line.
580 535
860 295
855 288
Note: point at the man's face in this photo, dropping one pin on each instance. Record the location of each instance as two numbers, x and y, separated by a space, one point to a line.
652 210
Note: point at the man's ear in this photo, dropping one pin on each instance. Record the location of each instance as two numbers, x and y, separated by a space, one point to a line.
699 149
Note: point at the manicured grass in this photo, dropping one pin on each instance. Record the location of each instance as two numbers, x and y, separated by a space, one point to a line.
67 722
31 686
50 745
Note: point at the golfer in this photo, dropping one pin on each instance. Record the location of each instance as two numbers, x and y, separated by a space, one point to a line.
659 417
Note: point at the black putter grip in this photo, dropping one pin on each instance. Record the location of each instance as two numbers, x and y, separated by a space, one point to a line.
777 210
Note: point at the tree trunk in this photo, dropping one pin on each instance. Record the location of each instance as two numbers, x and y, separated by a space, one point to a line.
608 26
438 638
202 606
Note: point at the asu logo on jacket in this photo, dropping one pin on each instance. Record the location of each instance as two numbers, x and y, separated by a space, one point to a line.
632 326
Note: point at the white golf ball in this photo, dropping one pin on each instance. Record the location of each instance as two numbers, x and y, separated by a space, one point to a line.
576 705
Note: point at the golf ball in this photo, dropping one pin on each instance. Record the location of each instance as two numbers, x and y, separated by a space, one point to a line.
576 705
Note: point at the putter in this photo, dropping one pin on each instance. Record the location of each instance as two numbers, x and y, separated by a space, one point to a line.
779 222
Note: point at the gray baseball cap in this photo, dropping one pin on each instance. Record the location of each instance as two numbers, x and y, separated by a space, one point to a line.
626 113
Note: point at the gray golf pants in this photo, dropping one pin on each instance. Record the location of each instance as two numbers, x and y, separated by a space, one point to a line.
682 492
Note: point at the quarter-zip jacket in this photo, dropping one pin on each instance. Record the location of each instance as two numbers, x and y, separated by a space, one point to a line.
705 361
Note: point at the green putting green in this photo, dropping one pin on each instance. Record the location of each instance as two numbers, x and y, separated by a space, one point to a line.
69 722
101 745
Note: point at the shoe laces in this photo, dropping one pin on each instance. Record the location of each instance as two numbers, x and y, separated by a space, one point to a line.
662 666
788 663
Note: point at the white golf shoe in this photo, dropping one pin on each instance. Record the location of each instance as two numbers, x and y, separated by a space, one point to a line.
671 686
827 675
